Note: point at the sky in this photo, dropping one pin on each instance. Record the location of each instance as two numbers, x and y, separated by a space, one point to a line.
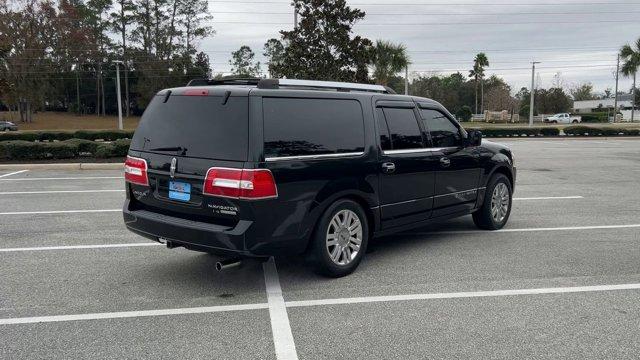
577 39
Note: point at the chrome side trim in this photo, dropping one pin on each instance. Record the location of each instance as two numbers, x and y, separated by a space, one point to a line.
407 202
313 157
415 151
459 192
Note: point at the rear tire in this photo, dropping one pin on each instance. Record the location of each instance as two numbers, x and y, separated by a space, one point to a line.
340 239
496 208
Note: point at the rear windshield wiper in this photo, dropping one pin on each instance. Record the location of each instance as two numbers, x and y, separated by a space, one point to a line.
180 149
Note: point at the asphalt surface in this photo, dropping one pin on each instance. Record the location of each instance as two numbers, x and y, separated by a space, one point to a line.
452 259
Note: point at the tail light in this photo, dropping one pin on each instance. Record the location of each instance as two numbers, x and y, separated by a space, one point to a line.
251 184
135 171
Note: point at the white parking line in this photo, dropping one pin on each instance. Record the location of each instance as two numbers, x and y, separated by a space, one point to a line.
13 173
58 212
131 314
79 247
65 178
58 192
549 198
280 327
473 294
321 302
567 228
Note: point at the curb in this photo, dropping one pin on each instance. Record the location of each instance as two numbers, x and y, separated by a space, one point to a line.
64 166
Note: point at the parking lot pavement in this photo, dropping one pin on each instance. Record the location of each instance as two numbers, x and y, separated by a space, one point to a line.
583 326
236 335
76 284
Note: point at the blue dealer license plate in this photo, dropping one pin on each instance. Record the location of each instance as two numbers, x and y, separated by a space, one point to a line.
179 191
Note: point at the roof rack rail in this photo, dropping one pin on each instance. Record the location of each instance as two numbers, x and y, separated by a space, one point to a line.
294 83
224 81
325 85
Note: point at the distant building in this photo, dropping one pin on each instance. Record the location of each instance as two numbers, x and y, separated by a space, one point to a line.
589 106
624 106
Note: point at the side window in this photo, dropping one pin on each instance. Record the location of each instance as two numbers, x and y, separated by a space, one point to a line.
383 130
403 128
298 127
443 132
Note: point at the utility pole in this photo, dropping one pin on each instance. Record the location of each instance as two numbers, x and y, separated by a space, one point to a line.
117 62
615 94
406 80
533 91
295 18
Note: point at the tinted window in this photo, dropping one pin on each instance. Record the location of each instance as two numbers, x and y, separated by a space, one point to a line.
383 130
404 129
201 124
298 127
443 132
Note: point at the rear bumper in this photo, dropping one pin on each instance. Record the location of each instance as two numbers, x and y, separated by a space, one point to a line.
245 239
193 235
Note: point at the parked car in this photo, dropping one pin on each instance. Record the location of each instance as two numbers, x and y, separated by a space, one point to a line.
254 168
563 118
8 126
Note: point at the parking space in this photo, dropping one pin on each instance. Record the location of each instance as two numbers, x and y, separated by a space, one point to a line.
76 284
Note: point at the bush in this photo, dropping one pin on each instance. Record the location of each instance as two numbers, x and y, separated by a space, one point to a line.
464 114
72 148
597 117
550 131
106 135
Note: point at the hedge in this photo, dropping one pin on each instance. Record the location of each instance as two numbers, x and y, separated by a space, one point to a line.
600 131
577 130
596 117
520 131
106 135
72 148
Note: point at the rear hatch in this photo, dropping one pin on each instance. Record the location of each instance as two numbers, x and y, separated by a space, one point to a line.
183 133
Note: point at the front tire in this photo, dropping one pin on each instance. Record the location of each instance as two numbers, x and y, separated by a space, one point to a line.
496 208
340 239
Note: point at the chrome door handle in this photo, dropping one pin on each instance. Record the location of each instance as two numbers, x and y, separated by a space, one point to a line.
445 162
388 167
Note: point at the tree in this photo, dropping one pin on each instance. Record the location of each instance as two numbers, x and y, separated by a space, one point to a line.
479 63
321 47
388 60
630 63
243 64
499 95
552 101
583 92
274 52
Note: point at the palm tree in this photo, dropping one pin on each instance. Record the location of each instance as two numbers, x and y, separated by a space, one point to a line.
389 59
477 73
630 65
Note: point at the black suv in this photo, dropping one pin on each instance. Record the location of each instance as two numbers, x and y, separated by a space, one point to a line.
253 168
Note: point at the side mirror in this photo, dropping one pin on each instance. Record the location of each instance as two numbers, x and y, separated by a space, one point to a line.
474 138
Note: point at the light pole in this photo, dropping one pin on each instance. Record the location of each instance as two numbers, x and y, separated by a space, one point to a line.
118 62
533 91
615 94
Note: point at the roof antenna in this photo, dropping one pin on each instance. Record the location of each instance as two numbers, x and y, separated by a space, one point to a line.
227 94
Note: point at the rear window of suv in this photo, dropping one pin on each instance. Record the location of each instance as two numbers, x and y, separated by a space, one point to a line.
299 127
200 124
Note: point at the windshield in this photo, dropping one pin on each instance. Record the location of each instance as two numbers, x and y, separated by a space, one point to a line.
195 126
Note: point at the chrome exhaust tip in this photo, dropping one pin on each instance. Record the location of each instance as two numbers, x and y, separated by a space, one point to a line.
228 264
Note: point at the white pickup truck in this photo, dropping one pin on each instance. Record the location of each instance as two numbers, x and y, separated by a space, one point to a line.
563 118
